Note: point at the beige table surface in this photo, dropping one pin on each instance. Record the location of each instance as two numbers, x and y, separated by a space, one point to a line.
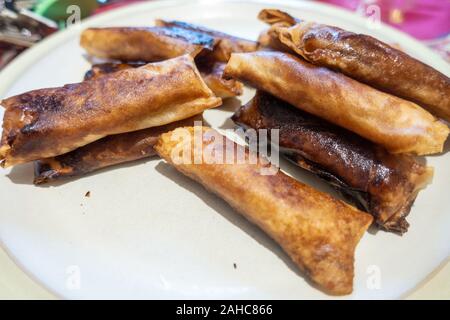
15 284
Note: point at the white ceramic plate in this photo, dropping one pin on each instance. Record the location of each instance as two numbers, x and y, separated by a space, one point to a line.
148 232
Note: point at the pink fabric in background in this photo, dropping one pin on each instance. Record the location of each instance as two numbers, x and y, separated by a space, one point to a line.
423 19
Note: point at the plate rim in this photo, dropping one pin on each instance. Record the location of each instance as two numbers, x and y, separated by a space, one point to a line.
10 74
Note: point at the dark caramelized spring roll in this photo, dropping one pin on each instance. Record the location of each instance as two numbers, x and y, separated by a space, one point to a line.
318 232
144 44
49 122
400 126
368 60
211 74
226 44
378 182
106 152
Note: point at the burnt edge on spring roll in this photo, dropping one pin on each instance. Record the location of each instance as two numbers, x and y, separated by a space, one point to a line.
211 73
106 152
318 232
48 122
365 59
147 44
225 44
383 184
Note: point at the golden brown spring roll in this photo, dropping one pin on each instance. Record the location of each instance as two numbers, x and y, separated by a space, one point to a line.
144 44
211 74
378 182
225 43
49 122
106 152
400 126
318 232
368 60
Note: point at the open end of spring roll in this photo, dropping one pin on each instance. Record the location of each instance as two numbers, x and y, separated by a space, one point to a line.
144 44
370 61
225 43
211 73
378 182
400 126
317 231
106 152
275 16
49 122
269 40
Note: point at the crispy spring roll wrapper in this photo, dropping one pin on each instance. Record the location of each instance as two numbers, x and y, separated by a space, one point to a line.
211 74
144 44
378 182
106 152
372 62
400 126
275 16
318 232
49 122
225 43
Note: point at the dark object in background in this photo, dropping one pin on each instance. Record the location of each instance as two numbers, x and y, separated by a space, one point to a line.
380 183
19 31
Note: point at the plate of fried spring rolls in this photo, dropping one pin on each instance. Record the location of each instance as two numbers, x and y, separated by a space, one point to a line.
154 228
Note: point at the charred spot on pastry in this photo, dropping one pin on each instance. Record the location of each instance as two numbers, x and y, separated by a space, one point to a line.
41 103
190 36
89 74
28 128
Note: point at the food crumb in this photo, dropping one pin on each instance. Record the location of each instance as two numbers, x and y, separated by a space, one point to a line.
234 265
88 194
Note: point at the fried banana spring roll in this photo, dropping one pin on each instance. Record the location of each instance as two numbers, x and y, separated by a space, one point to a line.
225 43
49 122
378 182
211 74
372 62
106 152
318 232
144 44
400 126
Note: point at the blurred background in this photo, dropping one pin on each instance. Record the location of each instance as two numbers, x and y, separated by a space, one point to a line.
23 23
